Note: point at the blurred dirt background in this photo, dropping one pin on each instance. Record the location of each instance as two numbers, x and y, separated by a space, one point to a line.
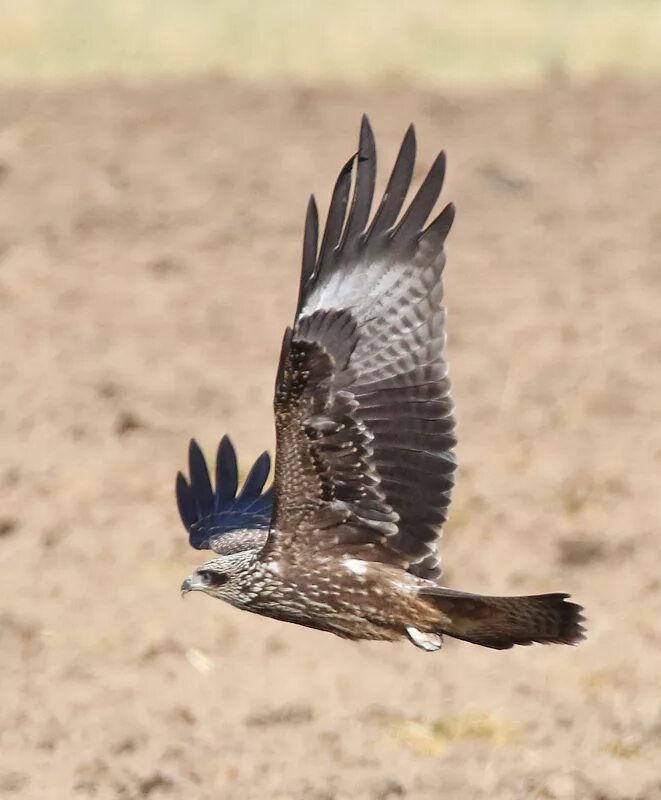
149 249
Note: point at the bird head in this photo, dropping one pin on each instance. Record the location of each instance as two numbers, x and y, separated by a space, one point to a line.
222 577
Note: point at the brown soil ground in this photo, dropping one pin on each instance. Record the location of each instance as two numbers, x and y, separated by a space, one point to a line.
149 249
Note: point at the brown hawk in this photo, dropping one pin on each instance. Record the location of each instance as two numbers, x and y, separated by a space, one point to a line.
346 538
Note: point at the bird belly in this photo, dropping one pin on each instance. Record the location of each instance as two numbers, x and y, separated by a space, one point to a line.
350 598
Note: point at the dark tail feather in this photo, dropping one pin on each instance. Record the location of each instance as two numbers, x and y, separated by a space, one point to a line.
502 622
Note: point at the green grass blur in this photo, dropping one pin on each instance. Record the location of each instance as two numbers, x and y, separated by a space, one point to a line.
433 41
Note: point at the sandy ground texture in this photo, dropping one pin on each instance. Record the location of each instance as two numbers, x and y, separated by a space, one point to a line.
149 249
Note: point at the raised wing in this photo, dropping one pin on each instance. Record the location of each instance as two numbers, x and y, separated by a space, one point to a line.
363 413
209 515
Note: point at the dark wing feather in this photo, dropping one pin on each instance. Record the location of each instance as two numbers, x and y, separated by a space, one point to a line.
397 188
336 213
364 422
364 189
210 515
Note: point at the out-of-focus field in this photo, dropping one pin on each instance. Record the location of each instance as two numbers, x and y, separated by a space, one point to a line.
149 249
483 41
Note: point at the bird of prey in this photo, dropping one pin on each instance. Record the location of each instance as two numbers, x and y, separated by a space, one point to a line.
346 538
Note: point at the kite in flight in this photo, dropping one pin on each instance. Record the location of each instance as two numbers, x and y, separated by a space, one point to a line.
346 538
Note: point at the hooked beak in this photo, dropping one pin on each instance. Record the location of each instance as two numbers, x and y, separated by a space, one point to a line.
192 583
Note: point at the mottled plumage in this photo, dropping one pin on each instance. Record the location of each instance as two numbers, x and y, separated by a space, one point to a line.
346 538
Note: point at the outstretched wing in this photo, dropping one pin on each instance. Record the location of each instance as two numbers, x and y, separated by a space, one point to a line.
209 515
363 413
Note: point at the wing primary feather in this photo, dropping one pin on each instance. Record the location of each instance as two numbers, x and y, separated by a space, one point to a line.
257 476
422 204
398 186
436 232
310 242
210 517
361 203
200 482
227 472
336 211
185 501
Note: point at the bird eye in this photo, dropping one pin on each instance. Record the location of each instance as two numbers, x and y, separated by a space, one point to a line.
211 578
